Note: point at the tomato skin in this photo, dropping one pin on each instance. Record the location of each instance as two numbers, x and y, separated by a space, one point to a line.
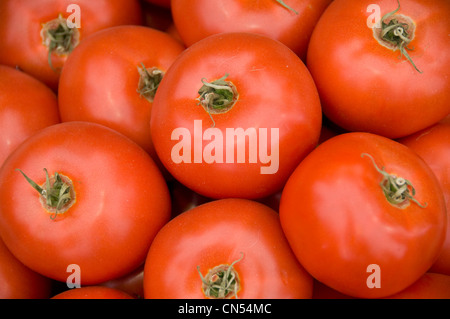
216 233
19 119
109 228
345 223
265 74
18 281
432 144
371 88
93 292
21 22
266 17
100 79
429 286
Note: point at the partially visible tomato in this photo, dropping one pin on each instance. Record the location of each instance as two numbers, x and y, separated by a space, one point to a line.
111 79
26 106
235 243
290 22
433 145
364 85
234 115
429 286
18 281
99 207
132 283
365 215
93 292
24 25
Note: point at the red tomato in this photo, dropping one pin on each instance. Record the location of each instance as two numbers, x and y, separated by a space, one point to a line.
100 212
290 22
234 115
429 286
112 76
364 215
236 243
433 146
20 118
18 281
93 292
132 283
24 25
365 86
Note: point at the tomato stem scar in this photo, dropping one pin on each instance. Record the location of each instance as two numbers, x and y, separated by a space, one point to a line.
221 282
398 190
59 38
395 33
57 194
149 81
218 96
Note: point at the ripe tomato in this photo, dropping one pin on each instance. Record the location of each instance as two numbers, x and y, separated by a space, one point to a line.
365 86
429 286
20 118
100 212
25 27
234 115
362 210
132 283
111 79
433 146
93 292
18 281
290 21
237 237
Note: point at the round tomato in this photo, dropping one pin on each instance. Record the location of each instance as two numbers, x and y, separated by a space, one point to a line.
18 281
391 79
364 215
93 292
433 146
20 118
429 286
234 115
228 248
111 79
290 22
37 36
93 197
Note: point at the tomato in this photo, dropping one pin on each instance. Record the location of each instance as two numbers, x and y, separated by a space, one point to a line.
111 79
429 286
19 119
161 3
234 115
432 144
236 243
132 283
364 215
24 27
101 202
364 85
18 281
290 22
93 292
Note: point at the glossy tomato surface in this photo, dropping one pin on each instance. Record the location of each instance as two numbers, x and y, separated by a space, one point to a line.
249 150
345 231
291 24
19 281
119 200
433 145
429 286
26 106
224 232
365 86
100 80
21 24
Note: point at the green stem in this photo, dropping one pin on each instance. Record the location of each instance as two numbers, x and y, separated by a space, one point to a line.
286 6
398 191
149 81
57 192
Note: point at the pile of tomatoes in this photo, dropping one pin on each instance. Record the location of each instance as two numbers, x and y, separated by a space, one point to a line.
224 149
